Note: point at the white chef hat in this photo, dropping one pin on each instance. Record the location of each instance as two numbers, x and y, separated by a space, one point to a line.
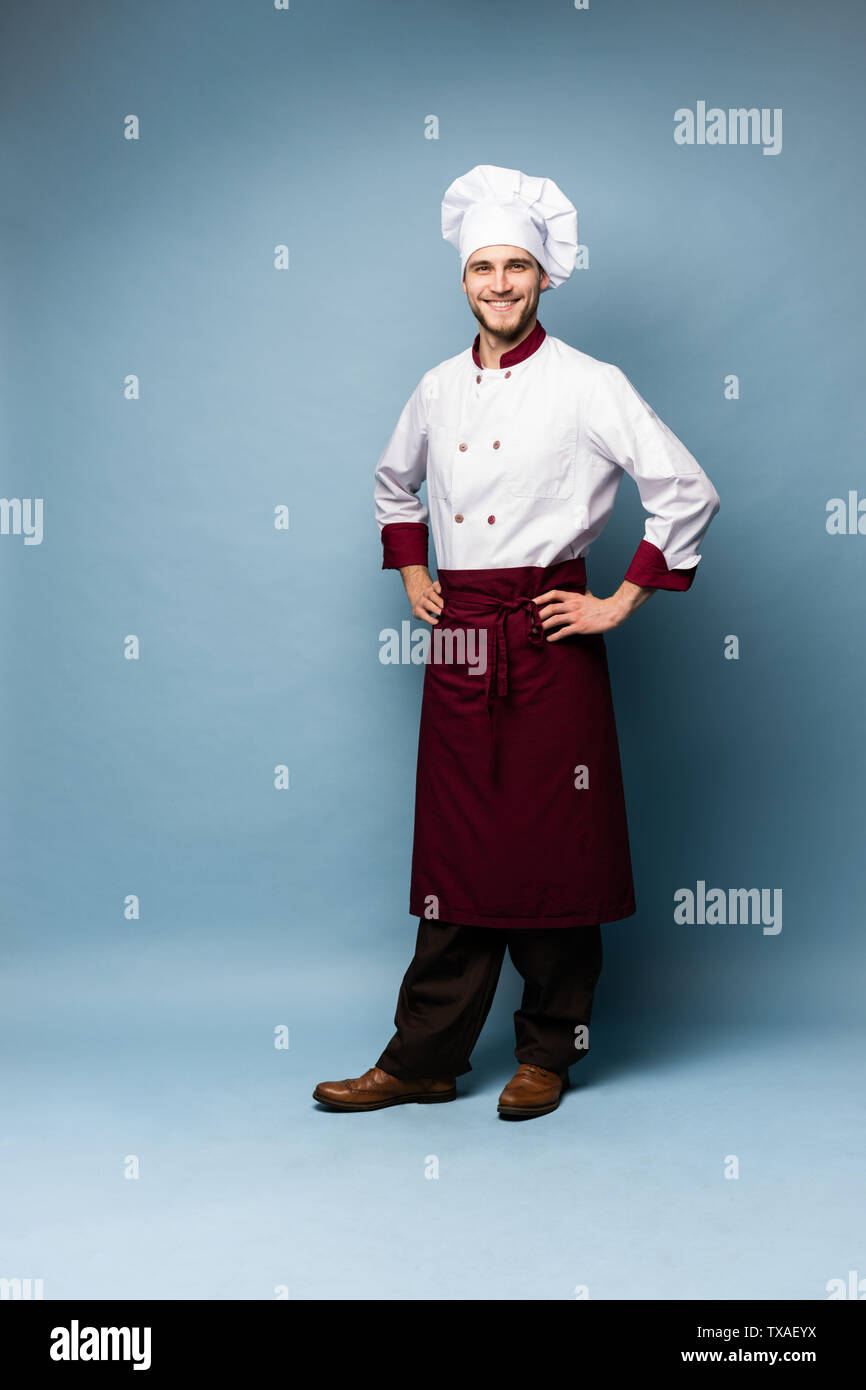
490 206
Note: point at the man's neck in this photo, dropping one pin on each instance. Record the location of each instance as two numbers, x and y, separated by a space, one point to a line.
491 346
492 351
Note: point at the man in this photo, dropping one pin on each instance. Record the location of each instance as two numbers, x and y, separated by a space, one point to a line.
520 826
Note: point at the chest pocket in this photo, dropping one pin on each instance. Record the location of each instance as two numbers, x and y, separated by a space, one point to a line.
441 448
538 464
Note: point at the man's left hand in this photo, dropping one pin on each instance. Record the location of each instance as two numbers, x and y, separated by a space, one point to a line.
570 614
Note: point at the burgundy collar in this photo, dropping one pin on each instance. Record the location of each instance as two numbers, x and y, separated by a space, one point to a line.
531 343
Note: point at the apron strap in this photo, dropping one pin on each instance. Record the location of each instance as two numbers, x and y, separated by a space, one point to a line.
497 679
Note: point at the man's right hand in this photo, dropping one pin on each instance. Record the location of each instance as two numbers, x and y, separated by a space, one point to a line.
423 594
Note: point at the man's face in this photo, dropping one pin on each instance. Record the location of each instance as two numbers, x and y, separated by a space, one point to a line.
502 284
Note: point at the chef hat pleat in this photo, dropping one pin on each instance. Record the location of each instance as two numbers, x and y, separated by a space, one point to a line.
491 206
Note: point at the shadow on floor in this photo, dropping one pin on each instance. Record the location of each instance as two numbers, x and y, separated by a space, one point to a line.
619 1046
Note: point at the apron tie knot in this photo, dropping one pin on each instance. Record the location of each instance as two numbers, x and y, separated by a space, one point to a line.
498 680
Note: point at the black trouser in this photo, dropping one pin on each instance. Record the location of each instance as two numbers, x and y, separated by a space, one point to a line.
448 989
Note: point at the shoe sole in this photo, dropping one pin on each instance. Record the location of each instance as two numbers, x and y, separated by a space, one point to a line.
437 1099
525 1112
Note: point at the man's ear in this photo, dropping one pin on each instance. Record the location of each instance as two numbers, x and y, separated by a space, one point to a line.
543 277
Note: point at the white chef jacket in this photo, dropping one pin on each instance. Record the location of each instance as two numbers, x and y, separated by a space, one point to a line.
523 462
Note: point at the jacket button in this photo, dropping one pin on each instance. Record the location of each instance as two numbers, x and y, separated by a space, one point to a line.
463 448
496 443
508 374
478 378
458 517
490 520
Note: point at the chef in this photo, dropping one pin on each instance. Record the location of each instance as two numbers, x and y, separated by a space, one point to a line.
520 834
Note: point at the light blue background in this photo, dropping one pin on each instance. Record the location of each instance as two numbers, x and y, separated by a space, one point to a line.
259 647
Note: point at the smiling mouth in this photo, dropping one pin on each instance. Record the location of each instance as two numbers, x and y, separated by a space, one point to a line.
501 306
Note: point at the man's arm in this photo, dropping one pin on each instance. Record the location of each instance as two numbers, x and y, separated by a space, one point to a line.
676 492
400 515
674 489
629 597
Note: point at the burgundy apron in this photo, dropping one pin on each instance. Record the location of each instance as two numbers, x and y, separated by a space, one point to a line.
519 810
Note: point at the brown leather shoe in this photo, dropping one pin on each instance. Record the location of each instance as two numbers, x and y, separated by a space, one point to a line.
531 1091
376 1089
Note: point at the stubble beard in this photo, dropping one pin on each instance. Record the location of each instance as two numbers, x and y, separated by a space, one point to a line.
493 322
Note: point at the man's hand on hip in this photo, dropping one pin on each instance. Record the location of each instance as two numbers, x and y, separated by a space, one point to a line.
424 595
581 614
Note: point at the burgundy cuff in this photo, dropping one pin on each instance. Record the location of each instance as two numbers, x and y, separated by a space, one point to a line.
404 543
648 568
